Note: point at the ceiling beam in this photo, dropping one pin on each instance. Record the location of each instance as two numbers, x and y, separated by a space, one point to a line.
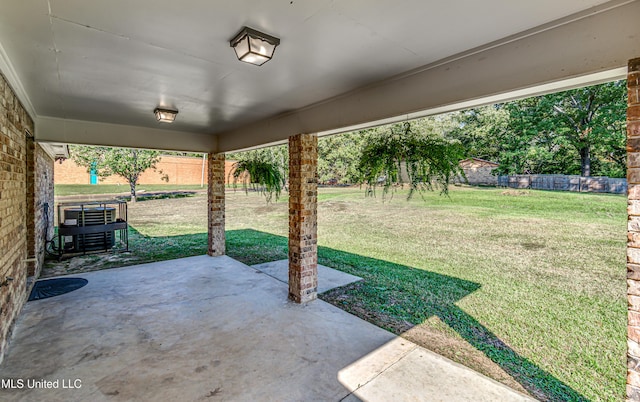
51 129
597 41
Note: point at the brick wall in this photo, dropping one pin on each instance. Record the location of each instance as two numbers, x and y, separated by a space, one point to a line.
68 172
14 123
178 170
40 166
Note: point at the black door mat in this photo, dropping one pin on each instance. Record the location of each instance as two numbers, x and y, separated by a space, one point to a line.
55 287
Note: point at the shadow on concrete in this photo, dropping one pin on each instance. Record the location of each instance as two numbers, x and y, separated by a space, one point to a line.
409 295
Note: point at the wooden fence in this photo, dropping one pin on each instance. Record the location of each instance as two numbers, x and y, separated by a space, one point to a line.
565 183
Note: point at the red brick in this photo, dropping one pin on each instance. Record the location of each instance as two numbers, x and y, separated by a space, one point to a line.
634 304
633 94
633 175
633 137
633 333
633 229
303 261
633 392
633 159
633 112
15 205
633 272
633 287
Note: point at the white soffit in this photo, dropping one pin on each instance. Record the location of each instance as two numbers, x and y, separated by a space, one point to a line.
55 150
51 129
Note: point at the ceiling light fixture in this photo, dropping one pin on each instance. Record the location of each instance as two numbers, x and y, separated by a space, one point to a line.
165 115
254 47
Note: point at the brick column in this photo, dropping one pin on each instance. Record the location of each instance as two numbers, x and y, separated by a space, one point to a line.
633 231
303 227
32 250
216 205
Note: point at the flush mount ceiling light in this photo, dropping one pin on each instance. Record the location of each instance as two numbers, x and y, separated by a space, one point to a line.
165 115
254 47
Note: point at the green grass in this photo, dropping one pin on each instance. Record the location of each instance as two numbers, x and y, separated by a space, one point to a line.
76 189
532 281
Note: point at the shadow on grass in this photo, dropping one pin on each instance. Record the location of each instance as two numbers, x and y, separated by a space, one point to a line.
409 295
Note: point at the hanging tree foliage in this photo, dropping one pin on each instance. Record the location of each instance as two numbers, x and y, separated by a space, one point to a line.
260 172
425 160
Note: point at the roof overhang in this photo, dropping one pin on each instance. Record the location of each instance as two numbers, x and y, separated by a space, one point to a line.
51 129
587 47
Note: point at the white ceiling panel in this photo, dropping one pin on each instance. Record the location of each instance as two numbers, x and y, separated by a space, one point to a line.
201 28
25 35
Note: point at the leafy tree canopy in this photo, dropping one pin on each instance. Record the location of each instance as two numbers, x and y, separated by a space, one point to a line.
580 131
338 157
128 163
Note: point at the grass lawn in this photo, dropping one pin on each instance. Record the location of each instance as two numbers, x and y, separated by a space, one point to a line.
75 189
527 287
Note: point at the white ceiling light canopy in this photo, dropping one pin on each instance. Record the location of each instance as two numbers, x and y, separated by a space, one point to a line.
165 115
254 47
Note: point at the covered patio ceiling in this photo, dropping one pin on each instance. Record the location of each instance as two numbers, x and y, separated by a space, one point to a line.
93 72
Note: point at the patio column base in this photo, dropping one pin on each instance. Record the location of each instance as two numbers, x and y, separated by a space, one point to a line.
633 235
216 188
303 227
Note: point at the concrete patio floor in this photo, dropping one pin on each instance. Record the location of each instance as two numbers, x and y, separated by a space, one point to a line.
204 328
328 278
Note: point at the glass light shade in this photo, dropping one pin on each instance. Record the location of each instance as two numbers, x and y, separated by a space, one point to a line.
254 47
165 115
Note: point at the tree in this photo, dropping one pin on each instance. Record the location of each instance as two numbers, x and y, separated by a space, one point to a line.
587 121
581 131
481 130
424 157
128 163
338 157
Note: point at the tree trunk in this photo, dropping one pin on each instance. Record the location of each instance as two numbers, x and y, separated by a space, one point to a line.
132 184
585 161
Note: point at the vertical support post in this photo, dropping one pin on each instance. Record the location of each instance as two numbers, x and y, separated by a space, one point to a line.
215 193
633 231
32 222
303 227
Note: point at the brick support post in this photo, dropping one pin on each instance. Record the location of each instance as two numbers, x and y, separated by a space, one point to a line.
633 231
303 227
216 205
